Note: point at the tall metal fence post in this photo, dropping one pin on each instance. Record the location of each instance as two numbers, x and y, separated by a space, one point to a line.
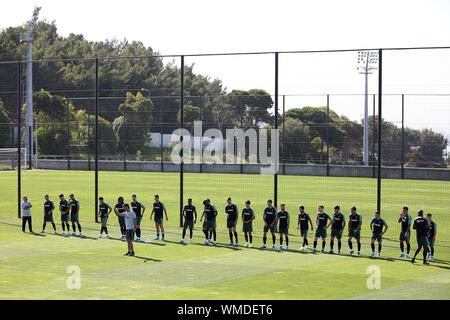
380 95
275 177
374 131
181 138
284 121
89 134
96 139
68 134
161 136
19 138
328 126
403 136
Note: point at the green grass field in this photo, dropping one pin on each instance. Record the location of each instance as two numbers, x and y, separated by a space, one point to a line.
34 266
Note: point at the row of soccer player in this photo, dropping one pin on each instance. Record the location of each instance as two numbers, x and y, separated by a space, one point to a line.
426 228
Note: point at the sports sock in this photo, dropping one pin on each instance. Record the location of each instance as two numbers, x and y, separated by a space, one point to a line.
251 238
184 233
331 244
214 234
323 245
43 226
274 239
190 233
379 247
138 232
246 237
79 227
231 236
63 226
315 244
432 251
101 229
408 248
236 236
417 251
54 227
350 245
210 234
206 234
359 246
106 230
162 235
287 241
425 251
402 247
281 240
306 241
372 245
157 234
339 245
73 227
264 240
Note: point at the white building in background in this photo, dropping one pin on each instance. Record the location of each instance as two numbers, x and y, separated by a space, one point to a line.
155 141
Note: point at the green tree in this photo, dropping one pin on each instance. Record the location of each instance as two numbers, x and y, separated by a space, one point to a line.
296 141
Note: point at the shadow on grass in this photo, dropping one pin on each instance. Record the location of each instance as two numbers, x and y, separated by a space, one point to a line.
147 259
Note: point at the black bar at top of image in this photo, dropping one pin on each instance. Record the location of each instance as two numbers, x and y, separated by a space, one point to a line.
380 95
19 142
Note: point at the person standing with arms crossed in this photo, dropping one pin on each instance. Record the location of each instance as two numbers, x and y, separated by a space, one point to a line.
64 209
405 233
48 213
270 219
26 214
248 215
322 225
354 230
130 226
302 224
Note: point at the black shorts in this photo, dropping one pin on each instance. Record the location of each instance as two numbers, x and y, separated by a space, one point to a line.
130 234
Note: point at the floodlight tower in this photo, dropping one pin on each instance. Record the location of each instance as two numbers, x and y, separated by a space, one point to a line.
367 61
29 87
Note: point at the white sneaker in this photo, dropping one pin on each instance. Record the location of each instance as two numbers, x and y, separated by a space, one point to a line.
63 232
273 246
80 234
214 243
352 251
190 240
206 242
302 248
148 240
378 255
107 236
138 239
358 254
287 248
100 235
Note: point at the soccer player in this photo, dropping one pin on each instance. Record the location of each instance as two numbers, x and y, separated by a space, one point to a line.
189 211
138 209
130 226
337 228
248 215
26 214
118 208
405 220
231 211
48 213
75 214
303 218
209 225
432 236
269 218
158 209
283 218
422 227
376 226
64 209
322 225
104 209
354 229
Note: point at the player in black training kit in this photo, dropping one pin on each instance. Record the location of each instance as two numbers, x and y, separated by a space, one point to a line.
158 210
337 228
284 219
270 219
189 211
64 209
321 228
405 233
209 225
231 211
303 218
376 226
354 229
104 209
139 209
248 215
118 208
48 213
422 227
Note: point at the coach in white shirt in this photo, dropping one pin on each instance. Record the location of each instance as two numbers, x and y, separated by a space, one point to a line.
26 214
130 225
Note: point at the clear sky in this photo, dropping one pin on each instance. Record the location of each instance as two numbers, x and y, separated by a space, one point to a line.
205 26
